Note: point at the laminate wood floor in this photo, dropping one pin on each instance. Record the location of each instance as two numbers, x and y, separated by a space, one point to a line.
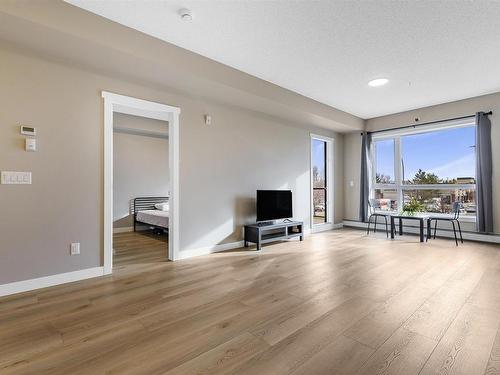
337 303
134 248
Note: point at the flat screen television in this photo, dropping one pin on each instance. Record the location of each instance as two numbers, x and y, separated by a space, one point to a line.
274 204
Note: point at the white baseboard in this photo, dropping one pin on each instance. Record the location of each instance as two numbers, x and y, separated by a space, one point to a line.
235 245
210 249
490 238
46 281
123 229
323 227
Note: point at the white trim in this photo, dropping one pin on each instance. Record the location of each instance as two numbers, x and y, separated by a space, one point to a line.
174 207
139 107
439 187
425 186
330 181
46 281
399 173
123 229
210 249
419 129
324 227
108 186
479 237
321 137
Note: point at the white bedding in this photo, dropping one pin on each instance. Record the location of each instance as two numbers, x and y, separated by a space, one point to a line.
153 217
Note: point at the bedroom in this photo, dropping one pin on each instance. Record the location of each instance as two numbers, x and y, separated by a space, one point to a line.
140 189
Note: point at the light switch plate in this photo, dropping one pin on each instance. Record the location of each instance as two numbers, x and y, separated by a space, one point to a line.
75 248
15 178
30 144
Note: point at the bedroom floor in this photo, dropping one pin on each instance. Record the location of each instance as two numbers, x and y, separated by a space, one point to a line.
337 303
141 247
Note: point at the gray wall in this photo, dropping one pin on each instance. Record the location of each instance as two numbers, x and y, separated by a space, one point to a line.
352 172
221 166
64 33
434 113
140 164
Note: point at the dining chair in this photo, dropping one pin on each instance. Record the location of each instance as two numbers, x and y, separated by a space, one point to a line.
373 204
454 218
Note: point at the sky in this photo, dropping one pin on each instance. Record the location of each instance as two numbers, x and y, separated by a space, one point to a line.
318 155
447 153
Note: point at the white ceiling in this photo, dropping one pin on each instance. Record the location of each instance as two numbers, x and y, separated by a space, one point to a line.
432 51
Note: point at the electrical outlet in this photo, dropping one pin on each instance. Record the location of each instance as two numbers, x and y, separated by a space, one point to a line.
75 248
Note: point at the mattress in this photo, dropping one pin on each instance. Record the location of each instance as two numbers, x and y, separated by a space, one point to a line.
153 217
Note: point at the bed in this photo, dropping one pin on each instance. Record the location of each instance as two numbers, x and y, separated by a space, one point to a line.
146 212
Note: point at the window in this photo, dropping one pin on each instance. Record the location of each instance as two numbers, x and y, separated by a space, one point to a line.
433 166
319 178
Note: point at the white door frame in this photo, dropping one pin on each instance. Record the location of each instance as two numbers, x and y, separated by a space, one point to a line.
330 212
138 107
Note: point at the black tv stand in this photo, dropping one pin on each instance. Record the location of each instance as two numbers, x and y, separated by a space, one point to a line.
260 233
265 223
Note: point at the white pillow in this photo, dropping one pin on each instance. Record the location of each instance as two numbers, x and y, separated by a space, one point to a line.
162 206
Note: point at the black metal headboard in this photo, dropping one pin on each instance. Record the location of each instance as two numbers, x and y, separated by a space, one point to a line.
147 203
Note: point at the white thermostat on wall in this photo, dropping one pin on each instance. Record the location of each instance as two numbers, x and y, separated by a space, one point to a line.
28 130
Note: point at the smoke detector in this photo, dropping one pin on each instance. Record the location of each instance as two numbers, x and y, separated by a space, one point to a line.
186 14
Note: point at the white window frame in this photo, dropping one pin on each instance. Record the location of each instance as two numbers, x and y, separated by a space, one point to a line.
399 186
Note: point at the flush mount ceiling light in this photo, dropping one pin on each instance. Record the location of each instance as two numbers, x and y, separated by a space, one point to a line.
186 14
378 82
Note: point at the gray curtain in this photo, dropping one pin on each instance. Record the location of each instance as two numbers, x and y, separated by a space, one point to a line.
484 169
364 186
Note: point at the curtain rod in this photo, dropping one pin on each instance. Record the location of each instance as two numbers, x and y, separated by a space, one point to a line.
426 123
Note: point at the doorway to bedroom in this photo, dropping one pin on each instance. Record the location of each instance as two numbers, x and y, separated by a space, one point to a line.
141 181
141 190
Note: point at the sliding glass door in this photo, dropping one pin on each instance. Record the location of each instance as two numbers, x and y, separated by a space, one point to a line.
321 151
